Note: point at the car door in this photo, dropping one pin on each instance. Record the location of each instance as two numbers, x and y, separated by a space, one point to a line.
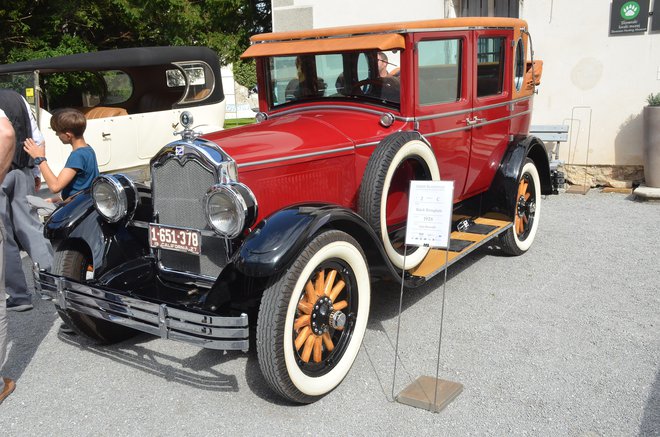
443 100
491 117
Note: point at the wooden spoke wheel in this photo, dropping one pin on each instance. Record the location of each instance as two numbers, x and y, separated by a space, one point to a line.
322 314
313 317
520 237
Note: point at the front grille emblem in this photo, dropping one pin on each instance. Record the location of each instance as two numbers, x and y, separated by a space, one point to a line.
178 150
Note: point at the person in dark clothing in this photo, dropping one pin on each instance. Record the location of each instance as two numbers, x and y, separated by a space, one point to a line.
22 224
7 146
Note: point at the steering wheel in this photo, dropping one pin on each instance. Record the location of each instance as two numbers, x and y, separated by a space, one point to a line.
370 85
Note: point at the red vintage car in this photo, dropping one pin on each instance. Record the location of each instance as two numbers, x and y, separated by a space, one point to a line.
288 221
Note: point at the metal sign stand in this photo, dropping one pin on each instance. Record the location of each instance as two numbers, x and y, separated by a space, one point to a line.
427 392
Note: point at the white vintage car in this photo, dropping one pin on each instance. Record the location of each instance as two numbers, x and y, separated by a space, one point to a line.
132 98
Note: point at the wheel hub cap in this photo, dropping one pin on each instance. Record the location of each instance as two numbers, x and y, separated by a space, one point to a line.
324 316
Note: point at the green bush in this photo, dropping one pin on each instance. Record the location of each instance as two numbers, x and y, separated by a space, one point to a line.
245 73
653 99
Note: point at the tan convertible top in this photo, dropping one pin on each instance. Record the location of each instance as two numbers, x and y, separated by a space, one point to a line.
384 36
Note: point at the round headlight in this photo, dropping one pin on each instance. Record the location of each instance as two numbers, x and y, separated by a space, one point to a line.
230 208
114 197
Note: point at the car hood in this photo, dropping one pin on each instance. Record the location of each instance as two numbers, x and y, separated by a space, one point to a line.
297 136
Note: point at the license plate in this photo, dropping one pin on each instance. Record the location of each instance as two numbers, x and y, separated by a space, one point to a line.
181 240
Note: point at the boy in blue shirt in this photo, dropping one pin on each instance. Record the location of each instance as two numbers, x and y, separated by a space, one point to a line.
81 167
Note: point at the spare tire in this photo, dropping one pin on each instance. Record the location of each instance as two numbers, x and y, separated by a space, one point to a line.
383 198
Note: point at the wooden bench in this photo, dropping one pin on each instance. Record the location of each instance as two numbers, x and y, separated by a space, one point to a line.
551 133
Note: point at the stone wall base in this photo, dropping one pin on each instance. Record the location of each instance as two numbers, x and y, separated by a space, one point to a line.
618 176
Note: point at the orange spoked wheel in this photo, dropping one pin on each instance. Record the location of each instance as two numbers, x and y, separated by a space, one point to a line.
526 206
519 238
313 317
322 314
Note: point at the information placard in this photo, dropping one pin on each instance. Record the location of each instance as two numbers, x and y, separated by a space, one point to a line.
429 213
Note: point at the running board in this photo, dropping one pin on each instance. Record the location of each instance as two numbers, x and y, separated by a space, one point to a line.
478 233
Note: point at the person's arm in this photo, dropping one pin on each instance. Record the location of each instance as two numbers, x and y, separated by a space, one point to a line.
55 183
7 145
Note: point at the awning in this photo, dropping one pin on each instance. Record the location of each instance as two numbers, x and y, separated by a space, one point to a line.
388 41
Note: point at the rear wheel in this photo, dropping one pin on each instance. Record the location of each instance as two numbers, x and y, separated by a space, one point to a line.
73 262
518 239
313 317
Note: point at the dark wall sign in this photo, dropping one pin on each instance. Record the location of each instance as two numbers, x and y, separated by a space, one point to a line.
629 16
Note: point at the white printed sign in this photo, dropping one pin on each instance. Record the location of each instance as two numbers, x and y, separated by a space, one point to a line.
429 213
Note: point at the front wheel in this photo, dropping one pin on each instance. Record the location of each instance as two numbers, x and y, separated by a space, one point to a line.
313 318
519 238
73 262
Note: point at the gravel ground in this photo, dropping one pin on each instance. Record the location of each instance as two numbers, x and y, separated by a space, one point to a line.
564 340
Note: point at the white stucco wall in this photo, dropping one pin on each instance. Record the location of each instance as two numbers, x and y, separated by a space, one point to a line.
586 72
610 76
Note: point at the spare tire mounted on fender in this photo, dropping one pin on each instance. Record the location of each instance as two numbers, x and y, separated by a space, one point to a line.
383 199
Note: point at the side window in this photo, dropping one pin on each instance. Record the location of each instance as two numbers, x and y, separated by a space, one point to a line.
118 85
520 64
439 71
328 69
201 81
490 66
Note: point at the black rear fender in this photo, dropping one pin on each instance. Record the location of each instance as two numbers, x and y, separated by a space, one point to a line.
501 197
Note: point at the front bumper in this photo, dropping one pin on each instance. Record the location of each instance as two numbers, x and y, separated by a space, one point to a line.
208 331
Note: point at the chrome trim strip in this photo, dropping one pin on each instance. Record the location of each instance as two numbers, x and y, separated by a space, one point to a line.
335 107
433 134
424 118
503 118
373 143
443 115
290 158
466 111
448 131
208 331
508 102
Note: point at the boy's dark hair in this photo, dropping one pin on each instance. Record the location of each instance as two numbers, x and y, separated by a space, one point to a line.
69 120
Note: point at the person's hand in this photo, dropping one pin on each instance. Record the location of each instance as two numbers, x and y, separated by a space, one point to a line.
33 149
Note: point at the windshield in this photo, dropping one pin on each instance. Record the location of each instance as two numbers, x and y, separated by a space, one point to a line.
22 83
369 76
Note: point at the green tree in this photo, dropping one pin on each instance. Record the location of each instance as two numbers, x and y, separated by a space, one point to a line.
41 28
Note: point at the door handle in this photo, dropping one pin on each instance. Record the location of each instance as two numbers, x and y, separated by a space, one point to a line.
474 121
105 135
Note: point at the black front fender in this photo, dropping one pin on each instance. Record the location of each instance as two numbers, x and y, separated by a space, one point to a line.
279 238
78 220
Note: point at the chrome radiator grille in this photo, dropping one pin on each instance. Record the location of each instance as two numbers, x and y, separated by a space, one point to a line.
178 199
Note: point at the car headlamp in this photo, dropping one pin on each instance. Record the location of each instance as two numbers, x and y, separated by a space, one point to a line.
115 197
230 208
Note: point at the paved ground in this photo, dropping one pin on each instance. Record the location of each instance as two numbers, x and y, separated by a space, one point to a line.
562 341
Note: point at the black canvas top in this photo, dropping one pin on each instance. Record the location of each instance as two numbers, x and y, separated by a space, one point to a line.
117 59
